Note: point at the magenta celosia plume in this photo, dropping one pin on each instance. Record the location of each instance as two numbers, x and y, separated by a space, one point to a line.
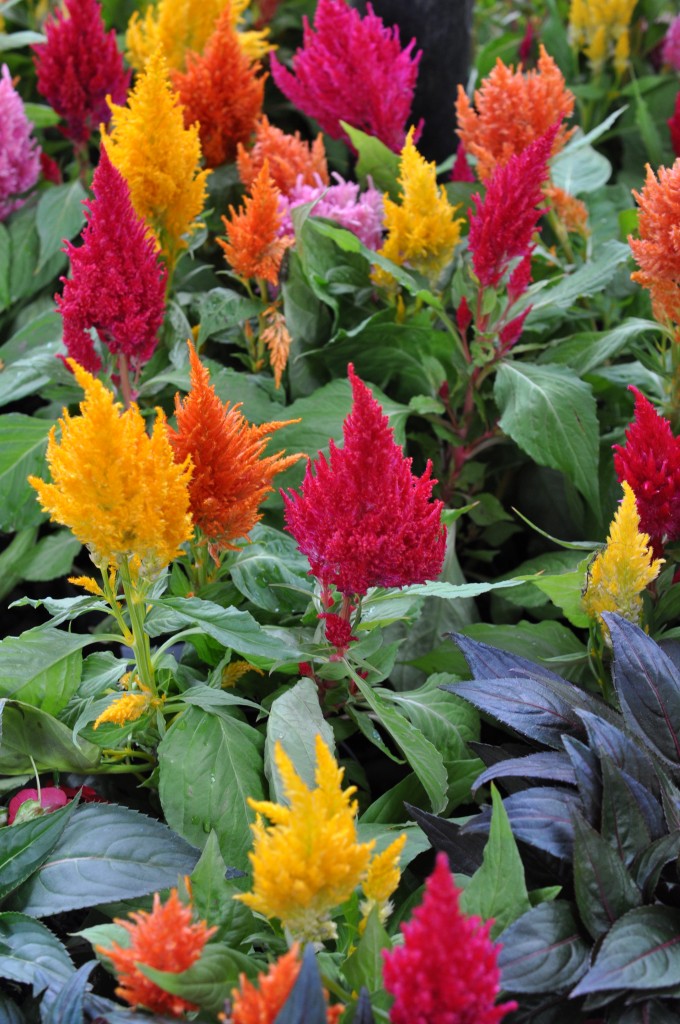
503 226
352 69
674 126
446 970
670 51
79 66
359 212
650 463
19 152
117 282
362 518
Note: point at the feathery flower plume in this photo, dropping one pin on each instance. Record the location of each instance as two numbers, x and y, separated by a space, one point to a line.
674 125
650 463
670 53
493 132
358 212
446 970
461 170
623 569
117 282
180 26
362 518
308 860
221 91
381 881
131 705
231 475
165 938
159 158
254 247
352 69
79 66
657 250
276 337
600 28
422 230
503 226
571 211
291 160
19 152
262 1004
117 489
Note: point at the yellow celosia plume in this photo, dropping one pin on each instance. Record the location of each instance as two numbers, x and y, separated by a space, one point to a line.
600 28
381 881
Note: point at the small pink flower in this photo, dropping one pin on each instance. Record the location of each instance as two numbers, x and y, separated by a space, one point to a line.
670 51
19 152
358 212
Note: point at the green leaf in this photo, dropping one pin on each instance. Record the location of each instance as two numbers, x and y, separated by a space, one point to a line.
295 720
543 951
13 559
59 218
31 954
208 982
212 893
5 251
25 277
209 765
375 161
272 573
649 133
548 302
447 722
17 40
580 170
23 441
588 350
641 951
603 887
23 847
222 308
449 591
365 965
551 415
565 590
42 667
31 738
41 115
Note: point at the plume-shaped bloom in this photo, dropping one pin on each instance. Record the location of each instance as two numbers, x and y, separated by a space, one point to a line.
446 971
277 340
118 490
657 250
422 230
572 212
362 518
117 282
650 463
352 69
492 131
600 28
382 880
625 567
292 161
79 66
674 125
136 701
308 860
262 1003
178 27
254 247
358 212
19 152
670 52
503 226
231 475
461 170
166 938
222 91
159 158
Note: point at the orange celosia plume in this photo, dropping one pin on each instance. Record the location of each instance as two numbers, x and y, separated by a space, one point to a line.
289 156
262 1005
222 90
513 109
657 250
231 476
253 247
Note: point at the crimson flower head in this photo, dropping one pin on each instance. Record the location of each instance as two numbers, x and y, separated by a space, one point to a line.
79 66
117 282
352 69
505 221
362 518
446 971
674 126
650 463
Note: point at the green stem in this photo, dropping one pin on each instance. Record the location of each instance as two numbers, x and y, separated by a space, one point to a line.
140 645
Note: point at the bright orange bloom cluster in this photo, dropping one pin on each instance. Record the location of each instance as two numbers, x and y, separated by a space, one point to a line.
276 337
164 938
231 477
253 247
222 91
289 157
262 1005
657 250
513 109
571 211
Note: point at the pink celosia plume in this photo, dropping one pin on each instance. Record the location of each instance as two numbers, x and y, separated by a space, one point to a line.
670 51
461 170
359 212
19 152
674 126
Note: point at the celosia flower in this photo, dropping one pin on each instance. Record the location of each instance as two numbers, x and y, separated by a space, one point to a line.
650 463
180 26
253 247
129 707
338 630
571 211
493 132
461 170
352 69
446 970
670 52
291 160
623 569
165 938
657 250
362 518
422 230
117 282
262 1004
19 152
601 29
276 338
358 212
79 66
503 226
308 860
118 490
231 476
674 125
222 91
382 880
159 158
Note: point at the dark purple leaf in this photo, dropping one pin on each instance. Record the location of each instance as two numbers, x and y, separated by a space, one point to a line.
550 765
543 951
604 889
540 816
465 853
606 739
588 776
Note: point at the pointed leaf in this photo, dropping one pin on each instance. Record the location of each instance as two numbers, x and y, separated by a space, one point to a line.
603 887
295 720
624 823
365 965
23 847
306 1003
588 776
540 816
30 739
363 1013
465 852
550 765
208 982
59 218
23 441
528 706
606 739
648 865
42 667
68 1006
543 951
31 954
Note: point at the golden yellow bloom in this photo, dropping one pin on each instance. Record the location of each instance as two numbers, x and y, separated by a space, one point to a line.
119 490
235 670
159 158
422 231
87 583
381 881
623 569
178 26
600 28
308 860
127 708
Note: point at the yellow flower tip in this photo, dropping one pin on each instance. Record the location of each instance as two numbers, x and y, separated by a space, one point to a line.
381 881
129 707
235 670
87 583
